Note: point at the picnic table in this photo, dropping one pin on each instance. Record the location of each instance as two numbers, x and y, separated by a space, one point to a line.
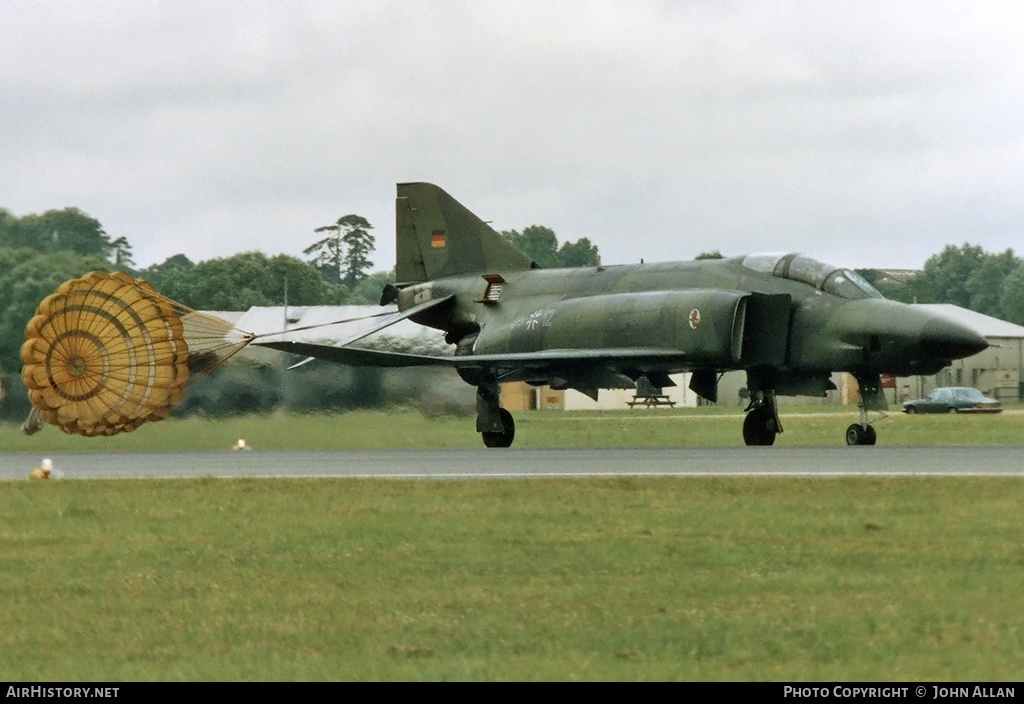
651 401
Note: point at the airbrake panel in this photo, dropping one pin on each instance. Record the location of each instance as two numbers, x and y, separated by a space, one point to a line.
765 330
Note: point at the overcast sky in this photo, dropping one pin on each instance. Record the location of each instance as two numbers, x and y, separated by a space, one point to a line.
862 133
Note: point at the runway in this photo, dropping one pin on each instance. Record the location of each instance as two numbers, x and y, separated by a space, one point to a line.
959 460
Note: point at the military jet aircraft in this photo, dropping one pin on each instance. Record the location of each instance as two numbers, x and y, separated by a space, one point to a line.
788 321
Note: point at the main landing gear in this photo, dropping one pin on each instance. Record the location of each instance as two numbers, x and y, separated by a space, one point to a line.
503 437
762 423
862 433
493 422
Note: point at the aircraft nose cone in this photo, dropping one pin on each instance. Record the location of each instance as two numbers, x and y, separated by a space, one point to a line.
946 339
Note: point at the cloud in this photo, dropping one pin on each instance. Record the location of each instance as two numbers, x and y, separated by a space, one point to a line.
866 133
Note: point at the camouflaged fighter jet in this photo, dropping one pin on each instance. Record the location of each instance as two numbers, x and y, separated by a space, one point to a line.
788 321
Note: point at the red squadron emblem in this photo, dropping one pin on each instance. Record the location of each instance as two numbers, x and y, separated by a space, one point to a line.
694 318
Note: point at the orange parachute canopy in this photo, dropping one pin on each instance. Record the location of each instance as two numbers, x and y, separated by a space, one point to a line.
106 353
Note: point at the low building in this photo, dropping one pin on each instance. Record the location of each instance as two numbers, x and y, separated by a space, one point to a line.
520 396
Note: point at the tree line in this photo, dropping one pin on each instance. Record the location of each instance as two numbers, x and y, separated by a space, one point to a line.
541 244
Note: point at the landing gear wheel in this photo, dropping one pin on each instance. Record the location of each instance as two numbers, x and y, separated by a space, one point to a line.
858 434
503 438
870 436
759 427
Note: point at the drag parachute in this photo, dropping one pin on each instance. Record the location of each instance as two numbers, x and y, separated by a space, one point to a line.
105 353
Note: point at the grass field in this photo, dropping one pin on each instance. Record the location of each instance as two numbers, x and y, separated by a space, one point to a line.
704 427
622 579
606 579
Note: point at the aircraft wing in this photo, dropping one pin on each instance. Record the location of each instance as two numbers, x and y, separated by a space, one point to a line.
561 357
530 360
355 356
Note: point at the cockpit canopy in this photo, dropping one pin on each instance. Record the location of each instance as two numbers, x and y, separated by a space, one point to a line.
829 278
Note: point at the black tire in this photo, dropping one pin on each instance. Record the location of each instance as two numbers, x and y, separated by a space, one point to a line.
910 409
854 434
870 436
503 438
857 434
952 410
759 427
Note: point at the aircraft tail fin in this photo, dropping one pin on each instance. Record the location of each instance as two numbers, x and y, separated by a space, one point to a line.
437 236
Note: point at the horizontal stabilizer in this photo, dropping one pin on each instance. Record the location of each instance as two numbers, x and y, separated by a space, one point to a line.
397 317
273 340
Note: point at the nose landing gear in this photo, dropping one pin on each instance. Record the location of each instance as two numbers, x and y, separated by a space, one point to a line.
861 434
869 395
